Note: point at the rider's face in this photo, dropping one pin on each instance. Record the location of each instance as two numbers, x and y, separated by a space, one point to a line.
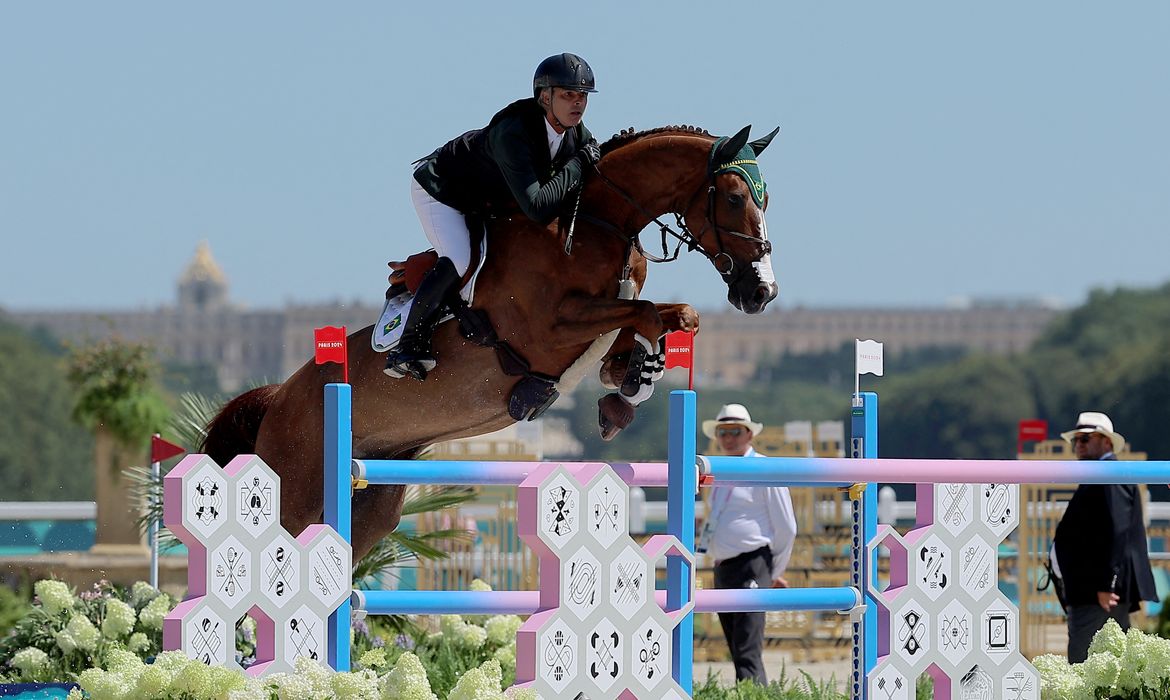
567 106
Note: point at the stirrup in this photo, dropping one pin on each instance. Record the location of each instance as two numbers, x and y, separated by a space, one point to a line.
417 367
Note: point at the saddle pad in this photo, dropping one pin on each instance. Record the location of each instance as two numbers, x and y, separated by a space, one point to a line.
392 320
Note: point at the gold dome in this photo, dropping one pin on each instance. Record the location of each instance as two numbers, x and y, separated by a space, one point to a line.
203 268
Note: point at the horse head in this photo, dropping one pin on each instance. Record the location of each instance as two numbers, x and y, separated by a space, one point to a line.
733 234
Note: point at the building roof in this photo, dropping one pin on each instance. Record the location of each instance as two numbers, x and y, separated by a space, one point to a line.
203 267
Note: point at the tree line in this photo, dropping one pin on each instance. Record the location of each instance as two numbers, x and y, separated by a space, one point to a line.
1110 354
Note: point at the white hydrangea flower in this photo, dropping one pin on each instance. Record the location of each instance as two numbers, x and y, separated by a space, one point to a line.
316 673
501 629
480 683
65 641
123 660
360 685
374 658
119 619
479 585
1065 685
138 642
153 681
55 595
506 655
1108 640
449 625
518 693
81 633
1101 670
29 660
470 636
407 680
141 590
291 686
155 612
104 685
221 681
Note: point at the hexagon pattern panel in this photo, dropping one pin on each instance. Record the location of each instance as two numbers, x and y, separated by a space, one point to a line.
603 634
243 562
950 619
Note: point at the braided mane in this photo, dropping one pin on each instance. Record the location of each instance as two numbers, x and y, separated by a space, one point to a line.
626 136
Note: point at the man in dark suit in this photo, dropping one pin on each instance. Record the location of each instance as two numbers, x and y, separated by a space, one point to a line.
1100 545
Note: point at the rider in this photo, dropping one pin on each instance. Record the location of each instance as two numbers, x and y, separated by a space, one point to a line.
533 153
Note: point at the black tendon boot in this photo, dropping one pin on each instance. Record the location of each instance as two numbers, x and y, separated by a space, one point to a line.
413 353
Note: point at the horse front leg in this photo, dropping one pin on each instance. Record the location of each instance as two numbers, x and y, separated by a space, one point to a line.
583 319
615 364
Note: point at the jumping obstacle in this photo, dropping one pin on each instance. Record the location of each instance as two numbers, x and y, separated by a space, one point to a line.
892 630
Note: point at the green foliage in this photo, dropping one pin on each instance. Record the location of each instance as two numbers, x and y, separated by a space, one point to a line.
967 410
784 688
44 455
14 606
115 389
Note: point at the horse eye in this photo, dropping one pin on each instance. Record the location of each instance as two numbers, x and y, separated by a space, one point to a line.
735 200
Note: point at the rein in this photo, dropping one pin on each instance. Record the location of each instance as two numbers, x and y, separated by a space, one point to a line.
686 236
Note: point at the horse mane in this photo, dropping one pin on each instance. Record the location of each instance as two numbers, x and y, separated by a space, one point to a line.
627 136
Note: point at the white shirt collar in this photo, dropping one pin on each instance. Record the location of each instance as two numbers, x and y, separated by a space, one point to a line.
554 139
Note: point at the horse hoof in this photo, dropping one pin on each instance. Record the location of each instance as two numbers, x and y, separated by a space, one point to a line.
613 415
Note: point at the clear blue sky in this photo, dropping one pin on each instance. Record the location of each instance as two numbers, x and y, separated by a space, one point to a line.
951 149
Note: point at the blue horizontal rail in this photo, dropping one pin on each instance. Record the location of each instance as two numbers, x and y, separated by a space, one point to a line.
842 599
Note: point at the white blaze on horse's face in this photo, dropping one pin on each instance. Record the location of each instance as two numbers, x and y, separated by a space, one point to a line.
763 266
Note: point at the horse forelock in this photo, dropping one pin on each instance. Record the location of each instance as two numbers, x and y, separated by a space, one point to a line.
628 136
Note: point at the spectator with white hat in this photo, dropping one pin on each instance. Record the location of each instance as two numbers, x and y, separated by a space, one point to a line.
1100 548
749 533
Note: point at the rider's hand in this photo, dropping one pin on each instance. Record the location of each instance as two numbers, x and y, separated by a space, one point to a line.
590 152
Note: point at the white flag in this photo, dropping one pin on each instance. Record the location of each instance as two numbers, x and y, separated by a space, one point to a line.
869 357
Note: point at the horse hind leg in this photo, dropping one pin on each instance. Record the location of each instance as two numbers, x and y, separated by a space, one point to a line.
376 510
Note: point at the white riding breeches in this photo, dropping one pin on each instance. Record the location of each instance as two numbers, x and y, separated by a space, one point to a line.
445 227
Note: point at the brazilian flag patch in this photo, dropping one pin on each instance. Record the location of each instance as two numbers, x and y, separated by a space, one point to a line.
394 323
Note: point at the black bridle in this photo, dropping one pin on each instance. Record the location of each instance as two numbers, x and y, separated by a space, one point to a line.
684 236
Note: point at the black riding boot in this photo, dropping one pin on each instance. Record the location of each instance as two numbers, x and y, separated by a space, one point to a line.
413 353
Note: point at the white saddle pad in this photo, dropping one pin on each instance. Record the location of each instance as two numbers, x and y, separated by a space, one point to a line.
388 329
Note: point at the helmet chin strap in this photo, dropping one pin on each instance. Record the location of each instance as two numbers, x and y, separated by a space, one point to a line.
552 113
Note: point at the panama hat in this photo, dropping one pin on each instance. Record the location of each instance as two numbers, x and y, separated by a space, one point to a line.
1092 422
732 414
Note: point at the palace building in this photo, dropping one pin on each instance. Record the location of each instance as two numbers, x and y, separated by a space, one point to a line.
246 346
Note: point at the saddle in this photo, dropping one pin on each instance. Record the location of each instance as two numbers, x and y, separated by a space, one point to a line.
534 393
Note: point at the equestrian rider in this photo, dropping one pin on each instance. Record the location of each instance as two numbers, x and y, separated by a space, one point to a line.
533 153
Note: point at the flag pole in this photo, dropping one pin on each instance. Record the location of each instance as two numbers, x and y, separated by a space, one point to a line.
155 468
691 368
856 372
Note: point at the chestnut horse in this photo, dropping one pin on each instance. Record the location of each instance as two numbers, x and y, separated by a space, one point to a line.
549 305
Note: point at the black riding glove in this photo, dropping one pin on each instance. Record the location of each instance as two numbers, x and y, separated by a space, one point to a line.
590 152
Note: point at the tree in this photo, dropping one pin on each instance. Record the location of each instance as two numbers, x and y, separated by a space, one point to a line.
117 399
966 410
44 455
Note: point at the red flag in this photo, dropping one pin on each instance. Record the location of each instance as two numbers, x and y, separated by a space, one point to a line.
161 449
331 347
1034 430
680 352
680 346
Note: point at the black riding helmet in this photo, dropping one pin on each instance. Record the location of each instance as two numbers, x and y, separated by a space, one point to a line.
565 70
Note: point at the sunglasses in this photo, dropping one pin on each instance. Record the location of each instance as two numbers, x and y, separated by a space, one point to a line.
724 432
1083 437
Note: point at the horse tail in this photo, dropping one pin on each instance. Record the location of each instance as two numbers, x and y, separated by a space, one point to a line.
234 429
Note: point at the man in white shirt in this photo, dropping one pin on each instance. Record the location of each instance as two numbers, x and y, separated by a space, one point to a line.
749 534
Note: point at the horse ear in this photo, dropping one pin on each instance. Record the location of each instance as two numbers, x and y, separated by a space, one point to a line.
760 144
732 146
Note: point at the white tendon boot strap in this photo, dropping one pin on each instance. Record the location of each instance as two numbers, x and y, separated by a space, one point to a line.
657 362
645 373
